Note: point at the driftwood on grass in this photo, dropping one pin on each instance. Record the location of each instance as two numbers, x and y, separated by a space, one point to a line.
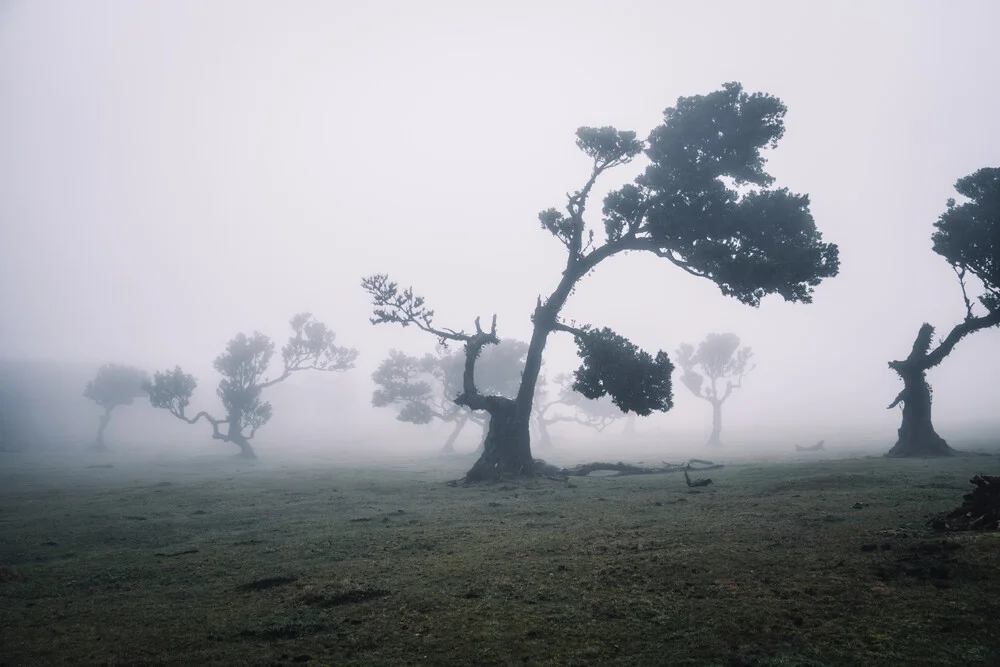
696 482
818 447
980 511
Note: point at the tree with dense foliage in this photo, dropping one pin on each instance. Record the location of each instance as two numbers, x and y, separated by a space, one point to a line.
243 366
114 385
424 389
567 405
968 237
703 204
719 358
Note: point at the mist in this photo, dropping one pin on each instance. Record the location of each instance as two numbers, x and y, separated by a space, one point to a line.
176 173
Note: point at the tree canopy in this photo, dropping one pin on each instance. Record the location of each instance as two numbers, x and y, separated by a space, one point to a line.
968 235
243 367
718 357
114 385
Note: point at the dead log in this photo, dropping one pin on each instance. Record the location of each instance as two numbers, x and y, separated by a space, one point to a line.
980 511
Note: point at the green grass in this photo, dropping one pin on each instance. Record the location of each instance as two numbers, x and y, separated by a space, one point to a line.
345 565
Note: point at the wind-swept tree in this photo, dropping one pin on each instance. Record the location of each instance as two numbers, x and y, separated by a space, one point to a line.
704 204
719 358
567 405
114 385
424 389
243 366
968 237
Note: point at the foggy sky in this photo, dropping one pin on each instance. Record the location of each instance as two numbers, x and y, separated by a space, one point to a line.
172 173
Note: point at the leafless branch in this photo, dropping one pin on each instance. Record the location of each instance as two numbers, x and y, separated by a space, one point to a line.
404 308
960 272
560 326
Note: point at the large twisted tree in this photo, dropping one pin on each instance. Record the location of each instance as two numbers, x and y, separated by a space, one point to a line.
719 358
424 389
968 237
243 367
704 204
114 385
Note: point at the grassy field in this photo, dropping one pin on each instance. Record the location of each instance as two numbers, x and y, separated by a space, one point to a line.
219 561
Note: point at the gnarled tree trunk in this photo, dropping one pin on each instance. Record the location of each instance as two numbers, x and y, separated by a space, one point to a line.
506 451
235 436
246 450
917 436
449 444
99 441
716 438
544 437
482 438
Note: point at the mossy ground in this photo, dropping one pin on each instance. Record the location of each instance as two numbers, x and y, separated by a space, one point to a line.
238 563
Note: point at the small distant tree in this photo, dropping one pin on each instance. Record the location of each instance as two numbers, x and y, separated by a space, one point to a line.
704 204
968 237
719 358
243 367
114 385
424 389
567 405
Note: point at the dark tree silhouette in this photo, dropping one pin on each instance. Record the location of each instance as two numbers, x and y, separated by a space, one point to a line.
242 366
114 385
968 237
719 358
425 389
569 406
704 204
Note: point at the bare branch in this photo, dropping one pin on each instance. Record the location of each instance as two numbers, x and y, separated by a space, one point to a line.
922 358
958 333
216 423
404 308
576 331
899 399
730 385
631 241
960 272
474 345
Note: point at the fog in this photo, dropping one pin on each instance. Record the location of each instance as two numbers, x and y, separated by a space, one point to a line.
174 173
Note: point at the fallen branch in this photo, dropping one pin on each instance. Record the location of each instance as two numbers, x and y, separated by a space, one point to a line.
584 469
696 482
980 511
